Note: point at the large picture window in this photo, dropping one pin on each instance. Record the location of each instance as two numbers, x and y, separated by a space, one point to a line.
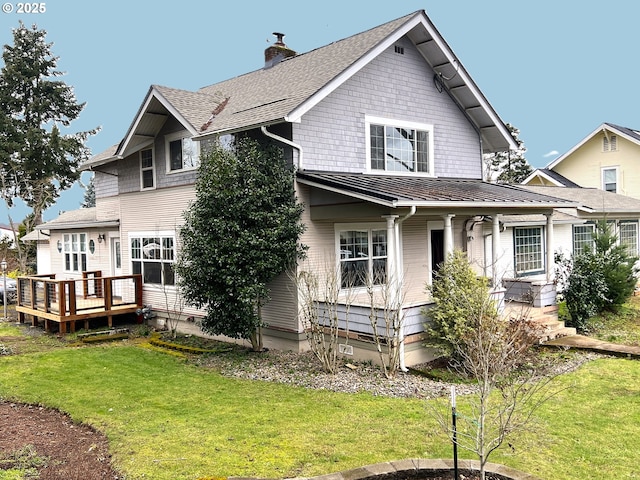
528 250
400 147
153 256
75 252
182 153
583 238
363 257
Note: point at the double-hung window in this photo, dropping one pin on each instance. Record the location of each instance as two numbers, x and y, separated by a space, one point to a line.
628 236
182 153
147 171
610 179
528 250
583 240
153 256
363 256
75 252
399 147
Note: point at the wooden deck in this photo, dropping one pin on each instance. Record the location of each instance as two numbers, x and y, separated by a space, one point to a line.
66 302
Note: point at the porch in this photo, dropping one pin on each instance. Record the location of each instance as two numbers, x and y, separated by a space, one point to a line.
66 302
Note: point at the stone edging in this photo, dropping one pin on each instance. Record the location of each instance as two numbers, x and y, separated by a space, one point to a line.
414 464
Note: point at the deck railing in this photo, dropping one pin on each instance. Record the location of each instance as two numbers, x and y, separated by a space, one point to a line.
46 294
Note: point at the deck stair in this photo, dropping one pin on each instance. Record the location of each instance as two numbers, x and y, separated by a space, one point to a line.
546 317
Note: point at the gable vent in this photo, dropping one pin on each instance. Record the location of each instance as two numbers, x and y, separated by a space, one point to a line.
399 50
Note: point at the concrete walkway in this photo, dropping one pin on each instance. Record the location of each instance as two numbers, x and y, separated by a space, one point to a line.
588 343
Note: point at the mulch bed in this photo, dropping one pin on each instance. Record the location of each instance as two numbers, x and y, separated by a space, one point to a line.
70 451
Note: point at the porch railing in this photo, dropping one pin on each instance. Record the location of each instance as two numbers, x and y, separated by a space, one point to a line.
44 293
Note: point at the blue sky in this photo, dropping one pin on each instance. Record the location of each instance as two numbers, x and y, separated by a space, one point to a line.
554 69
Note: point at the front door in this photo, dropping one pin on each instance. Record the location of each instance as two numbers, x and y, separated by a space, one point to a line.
437 251
116 266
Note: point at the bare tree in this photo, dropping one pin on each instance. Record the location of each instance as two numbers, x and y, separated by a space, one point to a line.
323 304
495 352
386 300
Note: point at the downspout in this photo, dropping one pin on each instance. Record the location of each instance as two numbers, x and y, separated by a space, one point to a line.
286 142
403 366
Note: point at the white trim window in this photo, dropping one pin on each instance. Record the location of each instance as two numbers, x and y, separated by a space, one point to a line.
628 236
363 255
74 248
610 179
583 240
528 250
147 169
153 255
182 152
399 147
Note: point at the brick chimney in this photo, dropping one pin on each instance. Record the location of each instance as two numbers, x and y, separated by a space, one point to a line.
277 52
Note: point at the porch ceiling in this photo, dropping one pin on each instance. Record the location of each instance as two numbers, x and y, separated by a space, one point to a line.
409 191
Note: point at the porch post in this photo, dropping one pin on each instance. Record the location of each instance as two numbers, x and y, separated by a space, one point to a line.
495 249
550 247
448 235
392 274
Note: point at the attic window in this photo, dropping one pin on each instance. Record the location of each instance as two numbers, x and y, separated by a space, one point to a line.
399 50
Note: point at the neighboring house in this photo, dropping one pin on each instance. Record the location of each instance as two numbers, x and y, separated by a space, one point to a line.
573 233
608 158
386 130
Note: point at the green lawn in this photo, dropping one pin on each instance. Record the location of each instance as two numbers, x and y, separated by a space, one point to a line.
167 419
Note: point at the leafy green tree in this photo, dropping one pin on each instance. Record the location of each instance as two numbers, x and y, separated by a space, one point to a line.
240 233
599 280
37 160
510 166
461 299
89 194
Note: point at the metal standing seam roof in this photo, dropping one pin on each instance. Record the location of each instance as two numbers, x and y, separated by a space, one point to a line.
426 191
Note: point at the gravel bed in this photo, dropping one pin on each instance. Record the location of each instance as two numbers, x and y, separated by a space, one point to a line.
304 370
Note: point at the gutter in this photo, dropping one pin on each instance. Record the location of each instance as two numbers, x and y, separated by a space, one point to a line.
286 142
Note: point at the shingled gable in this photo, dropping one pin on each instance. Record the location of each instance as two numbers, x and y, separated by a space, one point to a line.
286 91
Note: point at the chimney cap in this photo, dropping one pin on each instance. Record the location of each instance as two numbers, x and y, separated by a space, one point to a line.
279 38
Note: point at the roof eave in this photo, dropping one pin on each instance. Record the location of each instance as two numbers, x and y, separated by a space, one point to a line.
80 224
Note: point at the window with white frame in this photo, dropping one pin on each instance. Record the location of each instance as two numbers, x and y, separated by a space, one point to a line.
583 238
363 256
182 152
74 248
399 147
609 143
528 249
153 256
147 171
610 179
628 236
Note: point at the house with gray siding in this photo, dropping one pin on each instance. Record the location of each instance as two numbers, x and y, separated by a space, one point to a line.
386 130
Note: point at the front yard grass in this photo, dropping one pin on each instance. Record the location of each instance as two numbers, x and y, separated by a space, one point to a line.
168 419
